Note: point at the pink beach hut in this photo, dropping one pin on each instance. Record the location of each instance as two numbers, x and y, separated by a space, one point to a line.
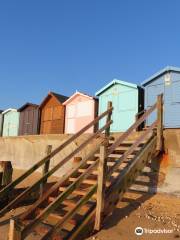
80 110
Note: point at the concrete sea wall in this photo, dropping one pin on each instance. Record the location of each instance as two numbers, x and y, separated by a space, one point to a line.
25 151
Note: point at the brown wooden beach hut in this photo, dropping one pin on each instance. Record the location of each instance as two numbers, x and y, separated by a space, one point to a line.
29 119
52 114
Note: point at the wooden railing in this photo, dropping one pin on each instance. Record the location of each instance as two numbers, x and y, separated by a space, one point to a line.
104 175
5 192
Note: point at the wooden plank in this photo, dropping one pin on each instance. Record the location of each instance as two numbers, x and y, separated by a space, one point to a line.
7 171
82 170
14 230
114 174
110 163
126 142
124 148
159 122
5 191
102 169
109 106
48 174
45 168
115 155
86 181
71 203
77 192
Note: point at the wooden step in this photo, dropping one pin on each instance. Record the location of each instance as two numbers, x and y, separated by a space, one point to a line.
78 192
86 181
95 172
71 204
114 155
53 218
82 170
90 181
128 142
108 163
125 148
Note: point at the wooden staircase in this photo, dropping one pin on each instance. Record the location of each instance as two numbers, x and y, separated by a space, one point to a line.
80 201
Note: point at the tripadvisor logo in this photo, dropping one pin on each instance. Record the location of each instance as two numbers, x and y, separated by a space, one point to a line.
139 231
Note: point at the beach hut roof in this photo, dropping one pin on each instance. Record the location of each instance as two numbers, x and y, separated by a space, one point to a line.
159 73
26 105
78 93
61 98
113 82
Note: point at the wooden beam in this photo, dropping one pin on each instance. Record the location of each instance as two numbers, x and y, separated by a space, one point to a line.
109 106
101 187
7 171
46 167
160 122
14 230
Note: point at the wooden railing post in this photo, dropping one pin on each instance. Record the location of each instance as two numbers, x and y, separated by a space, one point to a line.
136 119
109 105
101 187
6 171
14 230
46 167
159 146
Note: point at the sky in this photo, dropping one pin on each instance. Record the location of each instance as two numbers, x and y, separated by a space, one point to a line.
68 45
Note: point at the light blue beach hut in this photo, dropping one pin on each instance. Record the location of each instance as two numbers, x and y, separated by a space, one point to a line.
127 100
10 122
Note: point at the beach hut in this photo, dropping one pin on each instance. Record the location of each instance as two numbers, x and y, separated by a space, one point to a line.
52 114
29 119
127 100
1 122
166 81
81 109
10 122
